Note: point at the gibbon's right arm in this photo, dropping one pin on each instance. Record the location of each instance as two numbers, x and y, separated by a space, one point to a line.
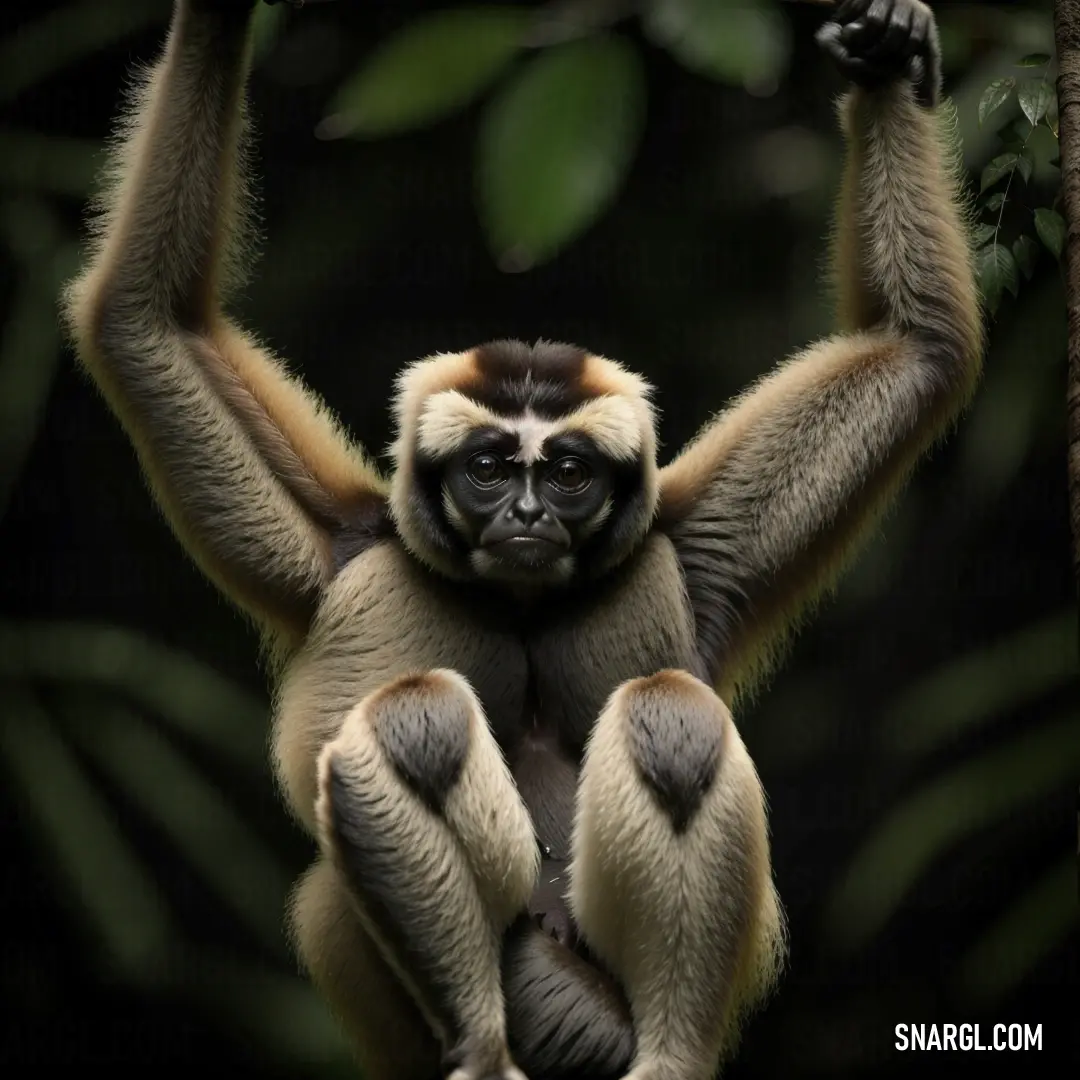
255 476
771 499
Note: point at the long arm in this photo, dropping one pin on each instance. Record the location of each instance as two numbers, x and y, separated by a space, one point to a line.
253 474
767 502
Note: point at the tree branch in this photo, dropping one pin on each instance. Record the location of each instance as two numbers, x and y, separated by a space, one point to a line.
1067 37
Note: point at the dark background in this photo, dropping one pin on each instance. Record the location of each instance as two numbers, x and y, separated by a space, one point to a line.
920 748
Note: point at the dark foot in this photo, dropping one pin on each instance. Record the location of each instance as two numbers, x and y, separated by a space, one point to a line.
566 1017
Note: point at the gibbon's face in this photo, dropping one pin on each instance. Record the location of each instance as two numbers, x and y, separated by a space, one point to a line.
523 464
526 515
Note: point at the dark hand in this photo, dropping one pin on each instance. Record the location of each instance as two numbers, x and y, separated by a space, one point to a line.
875 42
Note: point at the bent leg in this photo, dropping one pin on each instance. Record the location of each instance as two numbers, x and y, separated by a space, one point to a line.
389 1035
419 813
671 881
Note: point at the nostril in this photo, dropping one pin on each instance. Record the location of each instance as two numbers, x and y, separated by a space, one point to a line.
529 512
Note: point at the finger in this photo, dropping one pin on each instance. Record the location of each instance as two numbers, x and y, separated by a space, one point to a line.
896 41
828 38
849 10
855 68
864 33
880 12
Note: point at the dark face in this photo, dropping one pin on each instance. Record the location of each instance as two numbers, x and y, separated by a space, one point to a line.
526 520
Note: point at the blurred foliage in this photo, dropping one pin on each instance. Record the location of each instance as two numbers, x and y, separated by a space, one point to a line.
555 147
94 718
76 695
559 134
435 66
999 264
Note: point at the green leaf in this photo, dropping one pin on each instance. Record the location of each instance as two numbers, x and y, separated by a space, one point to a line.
1033 60
997 272
1025 252
555 145
1052 118
1011 274
982 234
434 66
1050 226
1017 129
994 96
740 42
1034 97
1025 163
997 170
995 201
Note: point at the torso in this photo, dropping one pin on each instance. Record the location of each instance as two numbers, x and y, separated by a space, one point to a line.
543 673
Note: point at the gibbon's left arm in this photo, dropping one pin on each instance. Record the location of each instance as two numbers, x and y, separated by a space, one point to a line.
768 500
256 478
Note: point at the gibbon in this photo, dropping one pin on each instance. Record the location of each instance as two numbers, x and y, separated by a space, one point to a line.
502 672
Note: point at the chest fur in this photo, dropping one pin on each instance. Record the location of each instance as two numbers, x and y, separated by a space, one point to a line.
542 672
634 625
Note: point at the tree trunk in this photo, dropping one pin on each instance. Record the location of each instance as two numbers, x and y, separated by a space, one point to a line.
1067 35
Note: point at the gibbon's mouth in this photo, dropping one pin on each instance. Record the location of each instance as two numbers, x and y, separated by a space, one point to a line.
526 550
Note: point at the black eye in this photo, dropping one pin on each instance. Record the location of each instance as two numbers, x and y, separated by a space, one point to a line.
570 476
485 470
